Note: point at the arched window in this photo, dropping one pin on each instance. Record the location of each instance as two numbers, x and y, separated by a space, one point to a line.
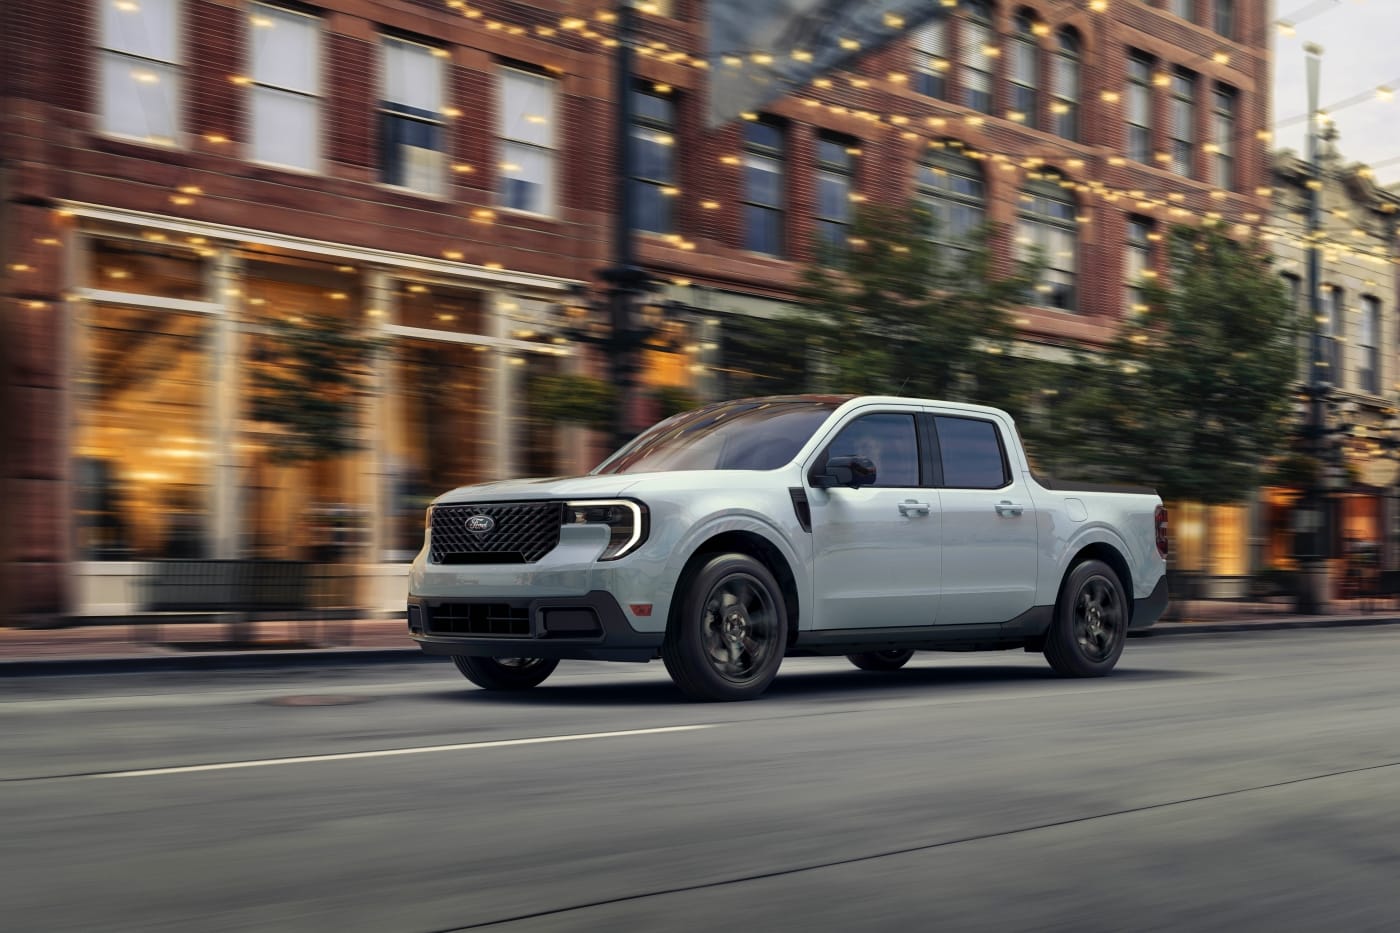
976 63
1025 67
950 185
1047 229
1065 85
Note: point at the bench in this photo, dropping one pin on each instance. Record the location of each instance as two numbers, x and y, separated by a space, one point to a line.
233 593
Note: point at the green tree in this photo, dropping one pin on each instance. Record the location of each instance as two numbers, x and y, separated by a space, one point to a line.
310 377
902 314
1193 396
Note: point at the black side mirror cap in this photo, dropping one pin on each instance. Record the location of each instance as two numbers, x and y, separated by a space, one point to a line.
845 471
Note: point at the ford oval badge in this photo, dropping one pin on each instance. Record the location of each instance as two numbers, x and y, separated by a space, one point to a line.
480 524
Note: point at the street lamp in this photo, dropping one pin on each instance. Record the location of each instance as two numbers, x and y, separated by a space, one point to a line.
1316 527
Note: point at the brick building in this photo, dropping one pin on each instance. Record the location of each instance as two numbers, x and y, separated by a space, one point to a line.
177 175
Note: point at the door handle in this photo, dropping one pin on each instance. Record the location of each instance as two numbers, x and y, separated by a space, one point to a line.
1006 507
909 506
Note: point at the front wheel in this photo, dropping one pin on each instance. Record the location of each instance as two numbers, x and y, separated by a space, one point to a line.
891 660
505 673
729 632
1091 622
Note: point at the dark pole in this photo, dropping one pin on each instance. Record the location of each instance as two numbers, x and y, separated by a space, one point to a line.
1312 594
625 279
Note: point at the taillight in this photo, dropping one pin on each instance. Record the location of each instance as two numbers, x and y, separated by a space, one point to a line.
1160 520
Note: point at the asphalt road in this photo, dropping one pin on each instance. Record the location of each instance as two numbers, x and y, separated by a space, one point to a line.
1234 782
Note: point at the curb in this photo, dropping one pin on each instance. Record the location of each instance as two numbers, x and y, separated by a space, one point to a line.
213 661
1174 629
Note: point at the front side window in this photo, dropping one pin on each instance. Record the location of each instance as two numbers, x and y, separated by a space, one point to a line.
835 177
1368 344
1139 262
931 59
1066 85
653 160
971 453
1139 110
1223 127
1047 227
1024 72
950 185
525 131
889 441
411 142
976 63
763 187
1183 160
286 106
140 69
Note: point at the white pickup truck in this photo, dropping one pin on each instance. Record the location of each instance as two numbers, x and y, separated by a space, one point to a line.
724 539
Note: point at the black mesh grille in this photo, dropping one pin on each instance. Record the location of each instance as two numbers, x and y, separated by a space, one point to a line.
520 533
500 619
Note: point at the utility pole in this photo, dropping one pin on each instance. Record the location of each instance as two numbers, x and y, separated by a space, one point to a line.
1312 594
626 281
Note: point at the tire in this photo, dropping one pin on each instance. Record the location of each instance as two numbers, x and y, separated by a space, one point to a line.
891 660
728 632
505 673
1091 622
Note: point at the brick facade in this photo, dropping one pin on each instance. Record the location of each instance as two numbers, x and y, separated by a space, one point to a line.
53 153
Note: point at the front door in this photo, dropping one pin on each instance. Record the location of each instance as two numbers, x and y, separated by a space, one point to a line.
876 548
989 525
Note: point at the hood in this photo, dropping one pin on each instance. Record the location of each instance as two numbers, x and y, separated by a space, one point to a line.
552 487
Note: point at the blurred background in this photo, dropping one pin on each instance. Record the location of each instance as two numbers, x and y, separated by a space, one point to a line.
275 275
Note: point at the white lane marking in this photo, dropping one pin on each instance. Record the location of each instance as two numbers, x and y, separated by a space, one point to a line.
390 752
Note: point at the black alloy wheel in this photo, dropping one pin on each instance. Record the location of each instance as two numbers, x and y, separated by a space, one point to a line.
1091 622
505 673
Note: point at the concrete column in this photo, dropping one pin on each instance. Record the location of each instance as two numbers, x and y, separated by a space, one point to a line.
380 309
224 278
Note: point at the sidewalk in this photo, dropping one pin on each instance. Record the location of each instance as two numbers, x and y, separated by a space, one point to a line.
119 648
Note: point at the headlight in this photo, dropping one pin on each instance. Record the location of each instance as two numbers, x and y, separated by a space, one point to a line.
627 519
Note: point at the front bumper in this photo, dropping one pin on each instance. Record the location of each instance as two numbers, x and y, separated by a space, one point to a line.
587 627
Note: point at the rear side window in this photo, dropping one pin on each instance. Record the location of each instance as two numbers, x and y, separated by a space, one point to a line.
973 457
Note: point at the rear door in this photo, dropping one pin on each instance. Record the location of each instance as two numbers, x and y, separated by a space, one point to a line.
876 548
989 522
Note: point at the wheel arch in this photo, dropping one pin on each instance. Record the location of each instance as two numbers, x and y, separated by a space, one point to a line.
755 545
1110 555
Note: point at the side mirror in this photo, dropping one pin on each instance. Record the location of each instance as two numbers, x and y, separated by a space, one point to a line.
845 471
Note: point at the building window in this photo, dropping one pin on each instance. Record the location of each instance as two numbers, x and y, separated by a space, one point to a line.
410 117
1066 85
1368 375
976 63
653 160
1225 18
286 86
763 187
1226 104
140 69
1139 262
950 185
143 457
1139 107
1047 229
1183 85
836 165
931 59
1025 69
1186 9
1333 327
525 126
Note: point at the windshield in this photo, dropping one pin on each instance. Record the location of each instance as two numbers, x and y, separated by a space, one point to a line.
749 434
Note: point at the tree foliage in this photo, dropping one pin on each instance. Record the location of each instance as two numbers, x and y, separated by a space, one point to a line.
1193 396
904 314
310 378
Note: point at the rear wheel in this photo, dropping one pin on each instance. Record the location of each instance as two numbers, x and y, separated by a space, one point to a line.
891 660
1091 622
505 673
729 632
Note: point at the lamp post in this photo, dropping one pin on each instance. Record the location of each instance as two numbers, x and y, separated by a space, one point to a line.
1317 530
